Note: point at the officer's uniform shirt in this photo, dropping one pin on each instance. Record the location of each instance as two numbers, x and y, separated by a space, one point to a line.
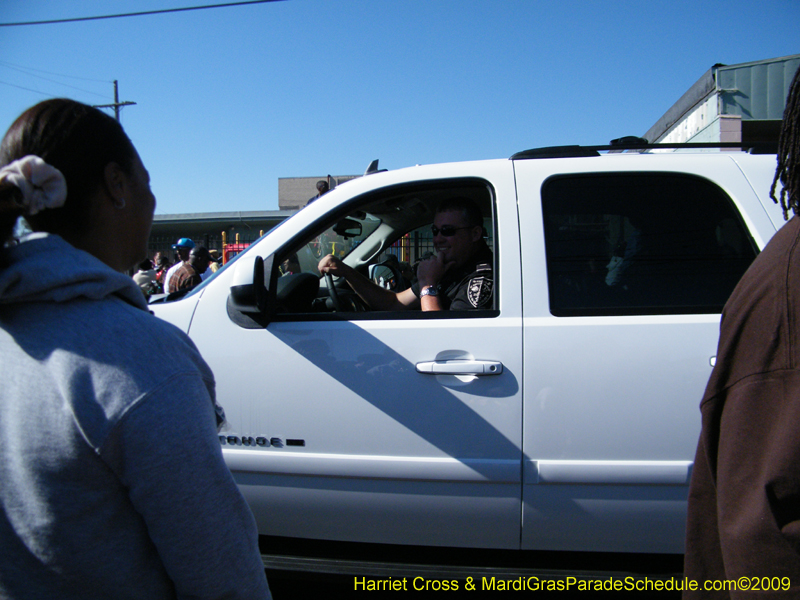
469 287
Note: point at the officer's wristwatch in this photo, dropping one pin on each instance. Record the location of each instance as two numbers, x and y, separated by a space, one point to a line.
429 291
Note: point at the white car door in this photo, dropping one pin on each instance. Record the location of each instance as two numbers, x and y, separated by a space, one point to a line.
628 262
349 427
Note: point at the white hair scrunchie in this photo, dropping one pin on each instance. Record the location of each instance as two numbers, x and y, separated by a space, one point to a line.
42 186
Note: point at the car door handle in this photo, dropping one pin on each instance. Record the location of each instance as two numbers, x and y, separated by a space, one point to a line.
460 367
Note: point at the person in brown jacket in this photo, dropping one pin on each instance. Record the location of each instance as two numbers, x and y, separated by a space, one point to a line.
744 499
189 275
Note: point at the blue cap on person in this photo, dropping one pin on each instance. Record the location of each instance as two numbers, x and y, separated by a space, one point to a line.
183 243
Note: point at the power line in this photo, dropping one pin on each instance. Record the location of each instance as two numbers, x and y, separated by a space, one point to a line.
136 14
21 70
26 89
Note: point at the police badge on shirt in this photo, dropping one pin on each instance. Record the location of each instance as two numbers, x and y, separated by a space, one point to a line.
479 291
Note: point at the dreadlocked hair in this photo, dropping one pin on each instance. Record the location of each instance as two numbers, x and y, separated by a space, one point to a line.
788 171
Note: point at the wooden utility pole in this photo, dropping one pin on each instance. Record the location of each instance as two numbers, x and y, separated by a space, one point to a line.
117 103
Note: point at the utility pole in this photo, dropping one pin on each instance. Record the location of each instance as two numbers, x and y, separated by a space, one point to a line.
117 103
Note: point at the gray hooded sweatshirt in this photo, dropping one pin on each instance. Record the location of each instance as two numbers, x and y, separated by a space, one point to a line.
112 482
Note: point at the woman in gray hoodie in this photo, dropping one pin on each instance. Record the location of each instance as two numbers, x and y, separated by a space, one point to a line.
112 481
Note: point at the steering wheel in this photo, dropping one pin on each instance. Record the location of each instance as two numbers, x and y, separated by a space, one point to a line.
333 293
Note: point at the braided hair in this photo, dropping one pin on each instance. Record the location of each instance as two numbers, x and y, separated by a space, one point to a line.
788 171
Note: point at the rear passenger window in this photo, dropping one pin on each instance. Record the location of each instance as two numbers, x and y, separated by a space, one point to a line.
641 244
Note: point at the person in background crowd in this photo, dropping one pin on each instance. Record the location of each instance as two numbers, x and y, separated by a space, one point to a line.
182 248
112 481
162 266
145 277
407 273
291 265
744 498
190 273
322 189
213 266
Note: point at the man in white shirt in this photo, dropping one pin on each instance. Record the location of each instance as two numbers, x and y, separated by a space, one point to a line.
183 247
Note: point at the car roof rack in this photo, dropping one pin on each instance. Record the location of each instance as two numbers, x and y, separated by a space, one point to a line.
632 143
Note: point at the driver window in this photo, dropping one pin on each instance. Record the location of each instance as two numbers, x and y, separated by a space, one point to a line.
338 239
382 238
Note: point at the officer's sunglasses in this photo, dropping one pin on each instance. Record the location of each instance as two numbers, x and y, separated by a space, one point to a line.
447 230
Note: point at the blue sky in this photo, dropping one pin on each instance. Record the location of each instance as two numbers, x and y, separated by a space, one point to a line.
230 99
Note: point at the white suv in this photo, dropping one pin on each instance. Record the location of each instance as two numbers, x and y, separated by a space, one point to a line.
563 417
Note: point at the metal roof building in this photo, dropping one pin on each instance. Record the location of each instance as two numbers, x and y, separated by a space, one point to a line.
238 226
207 228
730 103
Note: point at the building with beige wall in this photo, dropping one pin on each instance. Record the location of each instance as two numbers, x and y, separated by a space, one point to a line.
295 192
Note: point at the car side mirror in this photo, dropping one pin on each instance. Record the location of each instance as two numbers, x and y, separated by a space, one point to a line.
248 292
248 302
383 276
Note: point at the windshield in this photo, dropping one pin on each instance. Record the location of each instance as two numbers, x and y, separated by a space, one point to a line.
340 239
